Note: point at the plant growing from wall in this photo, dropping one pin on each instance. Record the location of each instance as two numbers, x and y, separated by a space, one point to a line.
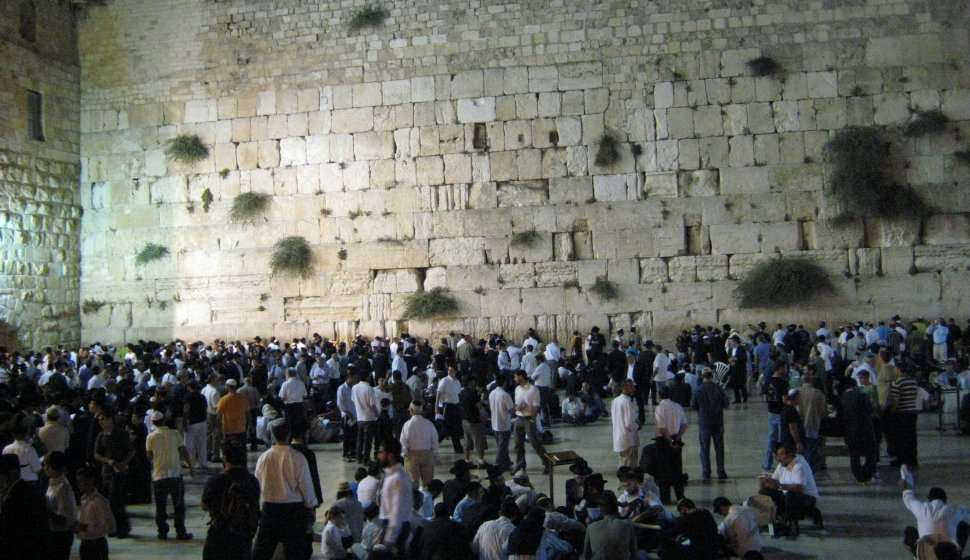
860 180
342 254
605 290
926 123
764 66
608 152
292 255
247 206
151 252
524 238
782 281
91 306
430 304
963 156
206 199
368 16
224 173
186 148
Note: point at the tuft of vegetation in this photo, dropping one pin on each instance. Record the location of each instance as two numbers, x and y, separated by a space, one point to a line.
292 255
186 148
247 206
524 238
342 254
224 173
480 290
206 199
604 289
368 16
608 152
163 305
926 123
963 156
151 252
428 305
861 180
389 240
764 66
325 211
574 284
90 306
783 281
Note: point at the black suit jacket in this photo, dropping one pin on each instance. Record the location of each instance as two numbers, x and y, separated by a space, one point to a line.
23 522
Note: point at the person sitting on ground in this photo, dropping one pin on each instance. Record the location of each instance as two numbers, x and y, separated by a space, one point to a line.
573 410
371 535
336 537
934 517
695 534
739 528
792 487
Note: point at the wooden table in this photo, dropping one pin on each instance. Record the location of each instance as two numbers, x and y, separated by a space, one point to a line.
557 458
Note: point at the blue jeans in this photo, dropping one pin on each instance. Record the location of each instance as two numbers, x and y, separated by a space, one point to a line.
774 436
705 435
502 458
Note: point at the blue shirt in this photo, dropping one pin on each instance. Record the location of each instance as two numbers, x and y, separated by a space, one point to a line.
939 332
763 352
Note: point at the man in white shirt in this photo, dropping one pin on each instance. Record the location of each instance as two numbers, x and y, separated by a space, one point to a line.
527 403
626 439
739 528
529 362
399 364
446 406
501 408
792 486
286 496
491 538
292 393
366 406
661 372
348 415
397 500
212 395
419 442
553 353
934 517
515 355
671 423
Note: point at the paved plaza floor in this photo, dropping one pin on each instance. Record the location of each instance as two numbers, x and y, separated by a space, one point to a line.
861 521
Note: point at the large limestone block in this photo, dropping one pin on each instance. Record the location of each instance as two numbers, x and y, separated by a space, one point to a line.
469 83
522 193
623 270
373 145
660 185
669 241
540 250
708 121
739 265
543 78
686 295
477 110
742 180
503 302
458 251
396 281
352 120
293 151
615 187
517 275
780 236
731 239
543 301
947 229
580 75
905 50
570 190
407 254
467 278
486 222
554 273
711 268
894 233
682 269
653 270
942 258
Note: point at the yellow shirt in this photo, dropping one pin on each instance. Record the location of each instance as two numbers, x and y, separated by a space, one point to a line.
163 444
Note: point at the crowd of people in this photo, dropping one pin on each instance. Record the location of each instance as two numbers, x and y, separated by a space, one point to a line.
87 432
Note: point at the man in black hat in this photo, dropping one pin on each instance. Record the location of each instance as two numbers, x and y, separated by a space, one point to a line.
456 488
738 360
576 486
23 515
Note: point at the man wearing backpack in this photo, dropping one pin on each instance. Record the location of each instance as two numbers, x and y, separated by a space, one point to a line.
232 499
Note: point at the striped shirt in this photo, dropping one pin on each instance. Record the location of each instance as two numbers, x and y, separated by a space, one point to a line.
904 394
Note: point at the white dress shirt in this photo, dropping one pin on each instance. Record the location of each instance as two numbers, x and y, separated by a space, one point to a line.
797 472
292 391
491 538
740 529
553 352
284 477
398 364
365 402
397 502
448 389
529 363
501 407
669 416
515 354
527 396
542 376
935 517
212 397
624 416
661 368
367 490
418 434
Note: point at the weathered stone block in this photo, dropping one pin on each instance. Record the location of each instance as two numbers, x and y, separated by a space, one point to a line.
614 187
550 274
701 183
711 268
743 180
352 120
522 193
780 236
395 281
731 239
469 83
460 251
660 185
481 109
293 152
941 257
947 229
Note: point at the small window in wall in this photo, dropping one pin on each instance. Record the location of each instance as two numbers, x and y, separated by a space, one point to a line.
28 21
35 116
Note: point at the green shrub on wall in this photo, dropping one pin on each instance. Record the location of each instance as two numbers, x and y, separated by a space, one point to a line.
861 179
368 16
524 238
90 306
926 123
151 252
428 305
782 281
604 289
247 206
292 255
186 148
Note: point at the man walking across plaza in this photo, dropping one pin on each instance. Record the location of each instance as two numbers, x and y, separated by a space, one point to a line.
166 451
671 424
626 439
501 407
527 402
419 443
775 390
447 409
710 402
397 500
233 412
366 409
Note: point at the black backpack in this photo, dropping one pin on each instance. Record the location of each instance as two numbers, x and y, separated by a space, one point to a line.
239 510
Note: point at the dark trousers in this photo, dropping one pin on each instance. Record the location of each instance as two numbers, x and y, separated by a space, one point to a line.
791 505
904 444
706 435
641 397
117 487
162 489
522 427
96 549
365 439
221 545
863 462
673 471
451 427
739 382
251 428
502 458
652 390
281 523
349 439
59 545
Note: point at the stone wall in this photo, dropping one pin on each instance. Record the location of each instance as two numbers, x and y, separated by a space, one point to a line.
40 212
408 155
